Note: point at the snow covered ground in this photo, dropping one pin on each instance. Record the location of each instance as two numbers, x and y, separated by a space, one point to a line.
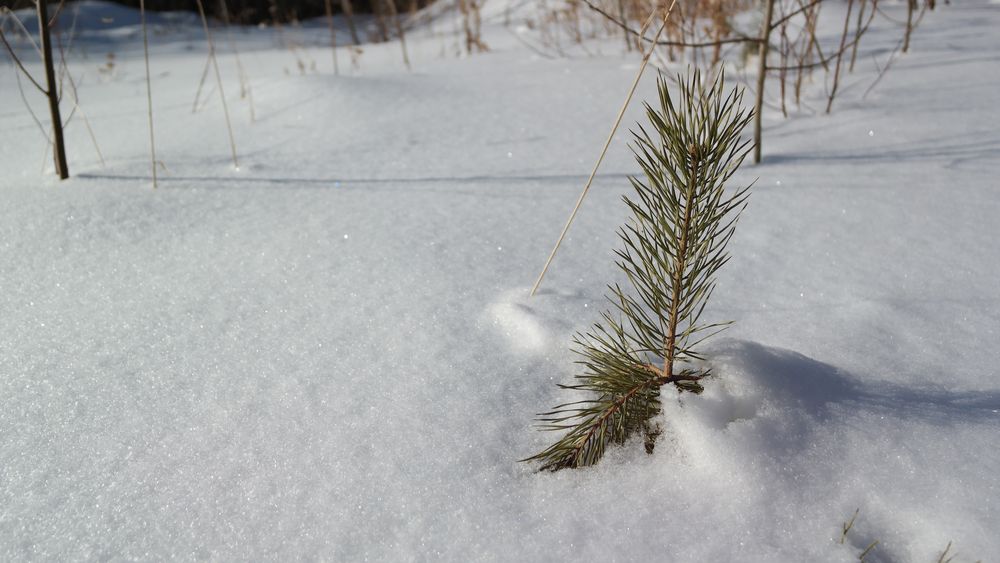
329 352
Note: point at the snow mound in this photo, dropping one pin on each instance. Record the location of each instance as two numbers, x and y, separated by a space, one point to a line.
537 324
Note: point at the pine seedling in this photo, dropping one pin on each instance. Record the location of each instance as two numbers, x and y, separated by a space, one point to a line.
673 245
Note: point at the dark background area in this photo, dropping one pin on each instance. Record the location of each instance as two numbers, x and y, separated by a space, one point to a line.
252 11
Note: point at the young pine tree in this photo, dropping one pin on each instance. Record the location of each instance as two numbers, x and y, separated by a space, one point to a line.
674 243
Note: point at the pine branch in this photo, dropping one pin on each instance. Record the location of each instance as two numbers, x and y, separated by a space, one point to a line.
673 245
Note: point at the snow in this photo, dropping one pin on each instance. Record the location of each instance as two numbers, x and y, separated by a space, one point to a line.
329 353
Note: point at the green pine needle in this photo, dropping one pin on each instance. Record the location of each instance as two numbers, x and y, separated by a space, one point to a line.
673 245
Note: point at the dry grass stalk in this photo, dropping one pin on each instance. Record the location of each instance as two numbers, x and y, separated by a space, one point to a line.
246 92
472 25
614 128
218 80
149 89
394 14
74 93
348 8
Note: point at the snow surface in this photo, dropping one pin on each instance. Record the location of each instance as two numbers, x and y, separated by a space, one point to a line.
329 353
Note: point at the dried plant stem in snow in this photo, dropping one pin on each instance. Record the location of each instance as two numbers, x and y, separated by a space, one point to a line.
218 80
149 89
607 143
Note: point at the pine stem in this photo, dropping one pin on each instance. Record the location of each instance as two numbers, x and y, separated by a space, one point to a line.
617 406
669 355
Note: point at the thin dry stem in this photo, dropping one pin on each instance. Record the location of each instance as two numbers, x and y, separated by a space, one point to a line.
149 89
218 80
607 143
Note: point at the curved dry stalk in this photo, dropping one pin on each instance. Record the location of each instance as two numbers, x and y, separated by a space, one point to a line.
17 62
607 143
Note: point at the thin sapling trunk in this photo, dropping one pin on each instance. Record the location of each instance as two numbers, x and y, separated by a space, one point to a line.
52 91
765 38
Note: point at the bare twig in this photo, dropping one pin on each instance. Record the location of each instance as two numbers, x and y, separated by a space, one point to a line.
394 14
31 112
55 16
76 104
245 89
840 56
17 61
883 70
656 41
24 31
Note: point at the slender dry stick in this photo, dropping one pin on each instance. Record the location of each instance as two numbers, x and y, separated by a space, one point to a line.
885 69
857 36
76 102
18 63
18 70
218 80
394 14
52 91
86 122
809 30
621 114
149 89
20 86
380 25
34 117
761 76
464 9
785 47
333 35
910 5
348 9
840 57
201 84
245 89
24 31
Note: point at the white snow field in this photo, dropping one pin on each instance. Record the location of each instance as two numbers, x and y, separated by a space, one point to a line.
329 352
